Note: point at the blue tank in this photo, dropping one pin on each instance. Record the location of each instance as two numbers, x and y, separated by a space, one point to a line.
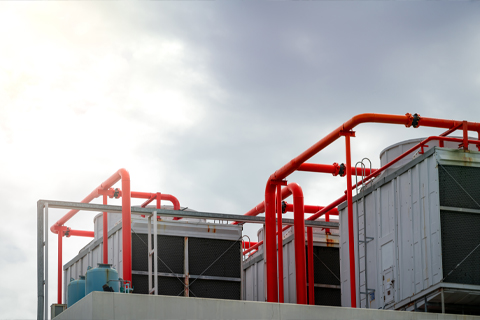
76 290
102 278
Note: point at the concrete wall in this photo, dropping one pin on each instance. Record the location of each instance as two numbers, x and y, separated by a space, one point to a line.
107 305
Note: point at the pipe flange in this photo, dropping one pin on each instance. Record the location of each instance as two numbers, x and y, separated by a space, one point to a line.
416 120
336 167
342 170
116 193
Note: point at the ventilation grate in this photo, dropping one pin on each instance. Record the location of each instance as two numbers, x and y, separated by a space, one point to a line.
215 289
451 194
202 254
166 285
460 236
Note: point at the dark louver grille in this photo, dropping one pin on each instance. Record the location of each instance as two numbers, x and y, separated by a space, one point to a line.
460 237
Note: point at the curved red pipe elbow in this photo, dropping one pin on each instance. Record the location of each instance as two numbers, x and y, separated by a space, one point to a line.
120 174
172 199
293 165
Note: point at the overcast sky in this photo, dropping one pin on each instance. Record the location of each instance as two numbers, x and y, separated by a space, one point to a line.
204 100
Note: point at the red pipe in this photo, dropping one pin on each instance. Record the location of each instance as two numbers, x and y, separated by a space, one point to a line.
334 204
351 252
406 120
333 169
248 244
80 233
144 195
105 232
126 225
270 243
326 209
310 209
377 172
253 247
327 219
299 238
123 175
286 170
290 168
280 244
311 284
59 282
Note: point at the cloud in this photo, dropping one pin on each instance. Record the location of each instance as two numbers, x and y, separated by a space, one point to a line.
204 100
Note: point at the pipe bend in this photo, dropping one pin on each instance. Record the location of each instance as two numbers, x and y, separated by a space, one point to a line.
124 174
295 189
172 199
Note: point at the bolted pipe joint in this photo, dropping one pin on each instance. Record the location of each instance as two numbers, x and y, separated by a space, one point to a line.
412 121
416 120
339 169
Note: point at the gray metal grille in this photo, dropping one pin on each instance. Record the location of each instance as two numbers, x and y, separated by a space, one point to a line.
139 253
460 235
215 289
451 194
203 252
207 257
326 262
328 297
170 250
166 285
326 270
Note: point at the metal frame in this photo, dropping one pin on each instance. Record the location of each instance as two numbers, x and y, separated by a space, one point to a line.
42 233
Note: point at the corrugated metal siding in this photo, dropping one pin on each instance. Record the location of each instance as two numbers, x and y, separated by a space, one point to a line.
402 214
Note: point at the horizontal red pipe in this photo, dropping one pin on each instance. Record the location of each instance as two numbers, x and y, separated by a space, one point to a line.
143 195
380 170
253 247
310 209
331 168
94 194
260 208
81 233
248 244
406 120
279 175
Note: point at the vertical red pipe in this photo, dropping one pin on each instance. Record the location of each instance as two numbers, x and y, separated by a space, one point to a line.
299 240
270 243
60 248
311 291
327 219
280 243
353 291
105 232
126 225
465 135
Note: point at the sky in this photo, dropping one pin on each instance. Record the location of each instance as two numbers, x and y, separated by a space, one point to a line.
205 99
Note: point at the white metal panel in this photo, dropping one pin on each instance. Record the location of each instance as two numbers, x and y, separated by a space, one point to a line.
292 288
249 283
403 217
